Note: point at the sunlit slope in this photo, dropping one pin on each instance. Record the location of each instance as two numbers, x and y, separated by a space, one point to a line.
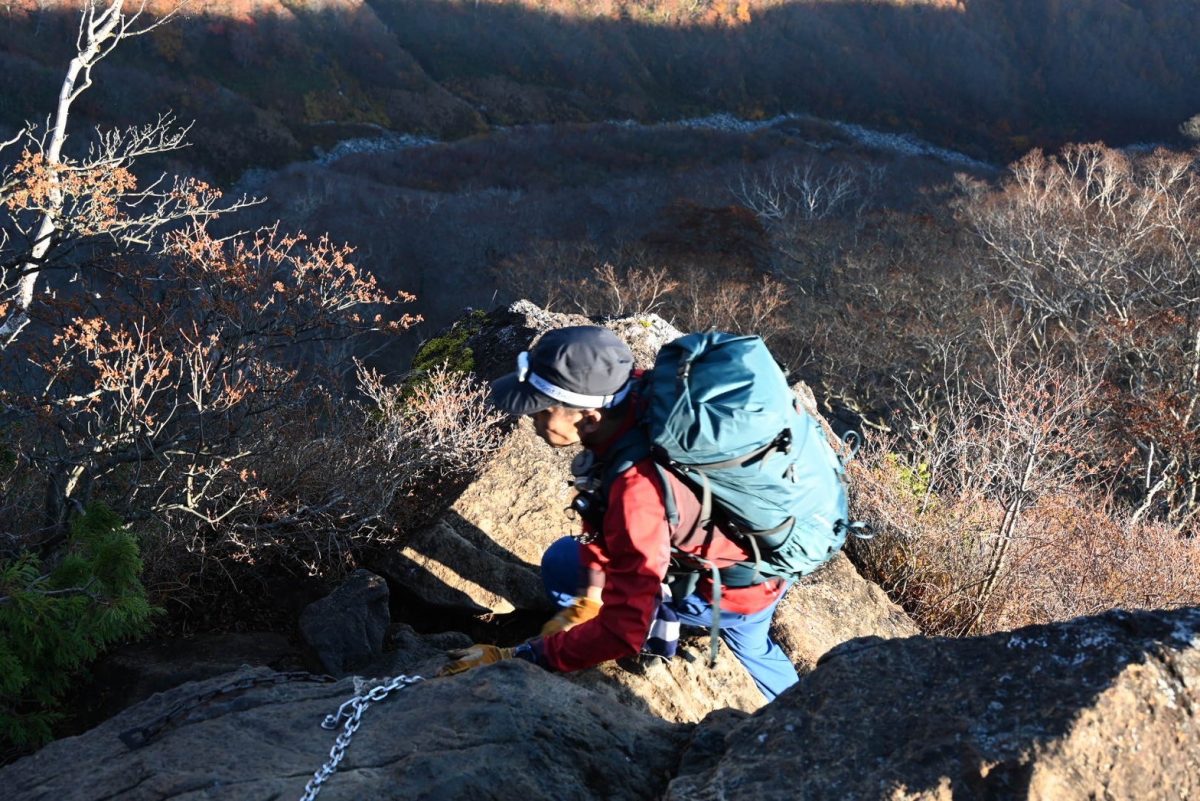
268 80
264 81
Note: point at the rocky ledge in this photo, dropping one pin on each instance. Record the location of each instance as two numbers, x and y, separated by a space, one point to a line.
1096 708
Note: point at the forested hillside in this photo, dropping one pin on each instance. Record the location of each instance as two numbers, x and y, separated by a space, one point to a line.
267 81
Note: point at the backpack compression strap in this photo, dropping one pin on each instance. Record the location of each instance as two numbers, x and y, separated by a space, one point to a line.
698 475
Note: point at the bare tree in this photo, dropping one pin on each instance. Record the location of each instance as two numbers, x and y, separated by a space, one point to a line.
1100 254
812 214
802 192
183 377
1091 235
48 189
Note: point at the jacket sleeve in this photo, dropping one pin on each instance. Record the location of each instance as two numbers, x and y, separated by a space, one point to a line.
634 552
593 561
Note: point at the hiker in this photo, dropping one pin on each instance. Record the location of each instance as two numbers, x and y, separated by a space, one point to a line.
580 388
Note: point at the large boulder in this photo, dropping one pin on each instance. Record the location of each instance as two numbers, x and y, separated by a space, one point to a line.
831 606
508 732
1096 708
345 630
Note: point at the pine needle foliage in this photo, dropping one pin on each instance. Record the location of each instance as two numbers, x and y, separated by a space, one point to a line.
54 622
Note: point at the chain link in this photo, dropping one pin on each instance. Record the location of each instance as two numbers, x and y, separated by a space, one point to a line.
138 737
352 711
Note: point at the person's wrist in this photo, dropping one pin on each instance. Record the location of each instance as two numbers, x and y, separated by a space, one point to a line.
530 651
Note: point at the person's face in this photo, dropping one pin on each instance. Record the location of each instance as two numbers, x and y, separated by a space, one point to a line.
560 426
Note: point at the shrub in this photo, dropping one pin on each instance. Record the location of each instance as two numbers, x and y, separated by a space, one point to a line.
1073 553
687 292
1096 249
441 424
450 351
152 363
1090 556
323 485
926 550
55 621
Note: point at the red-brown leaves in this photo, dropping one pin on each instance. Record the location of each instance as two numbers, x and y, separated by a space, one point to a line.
90 193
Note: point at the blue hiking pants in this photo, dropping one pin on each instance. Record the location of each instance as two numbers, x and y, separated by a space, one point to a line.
748 636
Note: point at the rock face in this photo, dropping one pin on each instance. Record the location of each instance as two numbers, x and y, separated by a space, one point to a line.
1096 708
683 690
504 732
831 606
345 630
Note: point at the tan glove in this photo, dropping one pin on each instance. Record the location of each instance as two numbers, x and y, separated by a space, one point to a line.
476 655
581 610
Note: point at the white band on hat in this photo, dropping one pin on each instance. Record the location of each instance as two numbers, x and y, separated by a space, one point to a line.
574 398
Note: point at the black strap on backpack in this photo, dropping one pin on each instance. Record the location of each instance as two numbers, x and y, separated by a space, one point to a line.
633 447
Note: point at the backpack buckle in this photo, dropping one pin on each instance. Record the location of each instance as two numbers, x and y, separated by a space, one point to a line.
585 475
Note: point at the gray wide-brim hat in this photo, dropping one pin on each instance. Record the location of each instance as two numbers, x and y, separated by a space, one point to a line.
583 366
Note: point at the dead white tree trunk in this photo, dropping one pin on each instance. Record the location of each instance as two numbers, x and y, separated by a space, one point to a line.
101 29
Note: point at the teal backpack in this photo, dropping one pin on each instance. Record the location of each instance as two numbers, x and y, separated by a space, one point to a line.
722 417
719 414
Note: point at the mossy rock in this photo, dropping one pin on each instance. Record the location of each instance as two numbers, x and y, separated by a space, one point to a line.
449 350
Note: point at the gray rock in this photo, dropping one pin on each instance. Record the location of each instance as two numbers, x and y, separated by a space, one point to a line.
133 673
831 606
345 630
507 732
1101 707
706 746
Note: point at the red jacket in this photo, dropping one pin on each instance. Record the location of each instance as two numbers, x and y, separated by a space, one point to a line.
631 556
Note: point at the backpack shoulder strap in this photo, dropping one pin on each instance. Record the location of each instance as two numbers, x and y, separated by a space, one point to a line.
631 448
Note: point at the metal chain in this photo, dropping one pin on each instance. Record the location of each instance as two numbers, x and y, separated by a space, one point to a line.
141 735
352 711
